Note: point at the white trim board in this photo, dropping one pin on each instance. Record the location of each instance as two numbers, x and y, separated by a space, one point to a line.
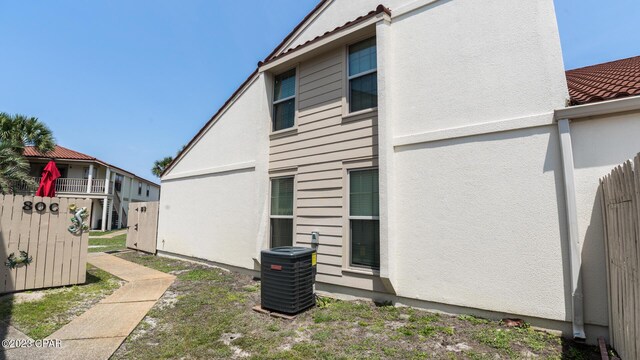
599 108
205 129
475 129
248 165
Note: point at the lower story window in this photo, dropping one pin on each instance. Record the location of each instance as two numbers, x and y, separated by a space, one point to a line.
281 232
282 212
364 220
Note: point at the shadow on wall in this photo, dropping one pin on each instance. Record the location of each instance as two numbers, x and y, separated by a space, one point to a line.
553 162
594 267
6 303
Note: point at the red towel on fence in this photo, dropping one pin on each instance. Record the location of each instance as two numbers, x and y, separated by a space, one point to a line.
47 186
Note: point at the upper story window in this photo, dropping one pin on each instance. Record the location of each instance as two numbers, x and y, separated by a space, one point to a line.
94 174
363 75
148 189
118 182
284 100
139 188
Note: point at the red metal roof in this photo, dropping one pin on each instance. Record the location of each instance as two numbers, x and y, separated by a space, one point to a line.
58 153
610 80
62 153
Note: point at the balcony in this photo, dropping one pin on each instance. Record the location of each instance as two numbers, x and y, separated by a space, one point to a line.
68 186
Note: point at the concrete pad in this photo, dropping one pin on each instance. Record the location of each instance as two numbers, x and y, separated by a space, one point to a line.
142 290
124 269
105 320
87 349
8 332
98 332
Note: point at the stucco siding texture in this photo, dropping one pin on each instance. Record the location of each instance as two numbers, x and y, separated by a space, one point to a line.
211 217
480 223
337 13
323 141
233 138
472 62
216 214
599 144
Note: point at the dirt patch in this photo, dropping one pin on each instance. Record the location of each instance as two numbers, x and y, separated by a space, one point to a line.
168 300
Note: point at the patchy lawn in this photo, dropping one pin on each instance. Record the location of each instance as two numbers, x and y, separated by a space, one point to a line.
39 313
101 233
207 314
103 245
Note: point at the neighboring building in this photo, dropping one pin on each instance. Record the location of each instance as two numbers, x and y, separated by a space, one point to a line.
424 145
87 177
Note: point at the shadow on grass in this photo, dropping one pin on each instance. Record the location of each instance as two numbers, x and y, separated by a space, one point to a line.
572 350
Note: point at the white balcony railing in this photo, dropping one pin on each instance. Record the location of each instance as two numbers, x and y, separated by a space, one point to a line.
70 185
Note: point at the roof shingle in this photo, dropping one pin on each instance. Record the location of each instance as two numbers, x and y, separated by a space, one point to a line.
611 80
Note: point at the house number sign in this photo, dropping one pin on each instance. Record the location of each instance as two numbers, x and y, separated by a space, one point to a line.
40 206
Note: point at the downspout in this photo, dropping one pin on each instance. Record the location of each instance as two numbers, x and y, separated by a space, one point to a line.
575 258
386 167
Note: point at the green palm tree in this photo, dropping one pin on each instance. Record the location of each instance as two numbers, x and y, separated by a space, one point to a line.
14 169
21 131
16 132
160 165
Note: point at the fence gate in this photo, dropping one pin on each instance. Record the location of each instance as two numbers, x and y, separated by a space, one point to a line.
40 246
621 211
143 226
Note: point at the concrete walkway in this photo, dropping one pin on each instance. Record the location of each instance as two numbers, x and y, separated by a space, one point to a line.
98 332
109 235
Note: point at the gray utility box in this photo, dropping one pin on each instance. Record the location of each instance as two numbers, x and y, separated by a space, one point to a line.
288 274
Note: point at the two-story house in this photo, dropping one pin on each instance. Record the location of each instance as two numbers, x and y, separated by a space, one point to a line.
428 144
111 188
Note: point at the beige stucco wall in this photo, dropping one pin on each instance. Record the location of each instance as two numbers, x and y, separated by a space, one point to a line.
479 219
599 144
212 202
482 224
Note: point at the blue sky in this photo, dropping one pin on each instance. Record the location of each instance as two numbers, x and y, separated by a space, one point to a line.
130 82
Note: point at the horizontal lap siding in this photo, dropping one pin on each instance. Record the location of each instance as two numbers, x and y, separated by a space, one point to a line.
323 141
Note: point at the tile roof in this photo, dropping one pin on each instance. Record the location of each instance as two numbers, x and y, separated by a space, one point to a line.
370 14
58 153
610 80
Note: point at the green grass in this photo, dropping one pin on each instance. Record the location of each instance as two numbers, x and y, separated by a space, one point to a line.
113 244
207 304
473 319
505 339
40 318
100 233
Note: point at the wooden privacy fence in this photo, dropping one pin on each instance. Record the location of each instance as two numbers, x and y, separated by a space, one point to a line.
143 226
37 229
621 212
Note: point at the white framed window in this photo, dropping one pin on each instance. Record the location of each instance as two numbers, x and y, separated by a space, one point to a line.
364 219
94 175
139 188
148 190
284 100
281 214
362 72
